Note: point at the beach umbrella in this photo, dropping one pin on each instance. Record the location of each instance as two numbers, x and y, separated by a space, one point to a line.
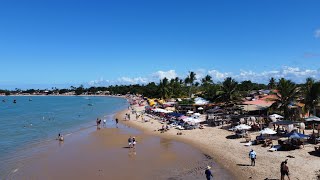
295 135
268 131
242 127
182 117
200 108
190 112
313 119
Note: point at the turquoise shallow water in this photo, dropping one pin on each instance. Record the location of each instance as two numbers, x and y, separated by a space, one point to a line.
35 120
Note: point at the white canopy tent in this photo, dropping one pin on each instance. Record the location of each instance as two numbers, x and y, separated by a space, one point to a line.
161 110
242 127
268 131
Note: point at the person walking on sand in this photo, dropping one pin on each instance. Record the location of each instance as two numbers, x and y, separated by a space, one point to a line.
208 173
253 156
284 169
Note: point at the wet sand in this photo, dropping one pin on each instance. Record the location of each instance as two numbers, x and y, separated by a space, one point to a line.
103 154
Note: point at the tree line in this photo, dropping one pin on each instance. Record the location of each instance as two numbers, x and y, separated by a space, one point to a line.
228 91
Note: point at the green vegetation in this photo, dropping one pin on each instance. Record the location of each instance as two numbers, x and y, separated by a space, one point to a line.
227 92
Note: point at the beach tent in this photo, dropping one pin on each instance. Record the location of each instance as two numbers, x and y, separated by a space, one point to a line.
295 135
175 114
275 117
242 127
200 101
268 131
192 120
161 110
285 122
182 117
313 120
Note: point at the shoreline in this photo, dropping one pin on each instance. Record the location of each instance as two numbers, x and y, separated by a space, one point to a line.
232 155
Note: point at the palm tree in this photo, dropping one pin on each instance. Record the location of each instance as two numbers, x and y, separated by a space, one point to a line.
311 95
164 88
272 83
207 86
228 91
287 94
190 80
206 80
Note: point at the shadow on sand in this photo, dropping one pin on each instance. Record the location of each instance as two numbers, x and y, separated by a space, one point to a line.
232 137
314 153
244 165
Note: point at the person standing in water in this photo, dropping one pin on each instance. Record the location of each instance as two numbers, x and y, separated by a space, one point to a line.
130 142
117 121
134 142
104 123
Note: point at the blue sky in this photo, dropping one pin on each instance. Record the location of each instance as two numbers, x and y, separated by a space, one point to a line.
60 43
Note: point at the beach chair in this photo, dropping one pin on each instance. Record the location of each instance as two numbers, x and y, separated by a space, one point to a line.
274 148
248 143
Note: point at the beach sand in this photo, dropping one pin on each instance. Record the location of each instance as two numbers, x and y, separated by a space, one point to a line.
103 154
232 155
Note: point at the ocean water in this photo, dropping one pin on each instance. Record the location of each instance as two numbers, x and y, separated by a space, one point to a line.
38 119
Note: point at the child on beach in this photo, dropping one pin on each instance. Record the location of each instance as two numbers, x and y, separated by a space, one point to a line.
253 156
284 170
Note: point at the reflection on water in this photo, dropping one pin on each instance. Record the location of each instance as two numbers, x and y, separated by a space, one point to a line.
166 143
132 153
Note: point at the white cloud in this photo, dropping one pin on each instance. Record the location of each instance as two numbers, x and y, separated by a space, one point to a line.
171 74
295 74
200 73
99 82
218 76
128 80
317 33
